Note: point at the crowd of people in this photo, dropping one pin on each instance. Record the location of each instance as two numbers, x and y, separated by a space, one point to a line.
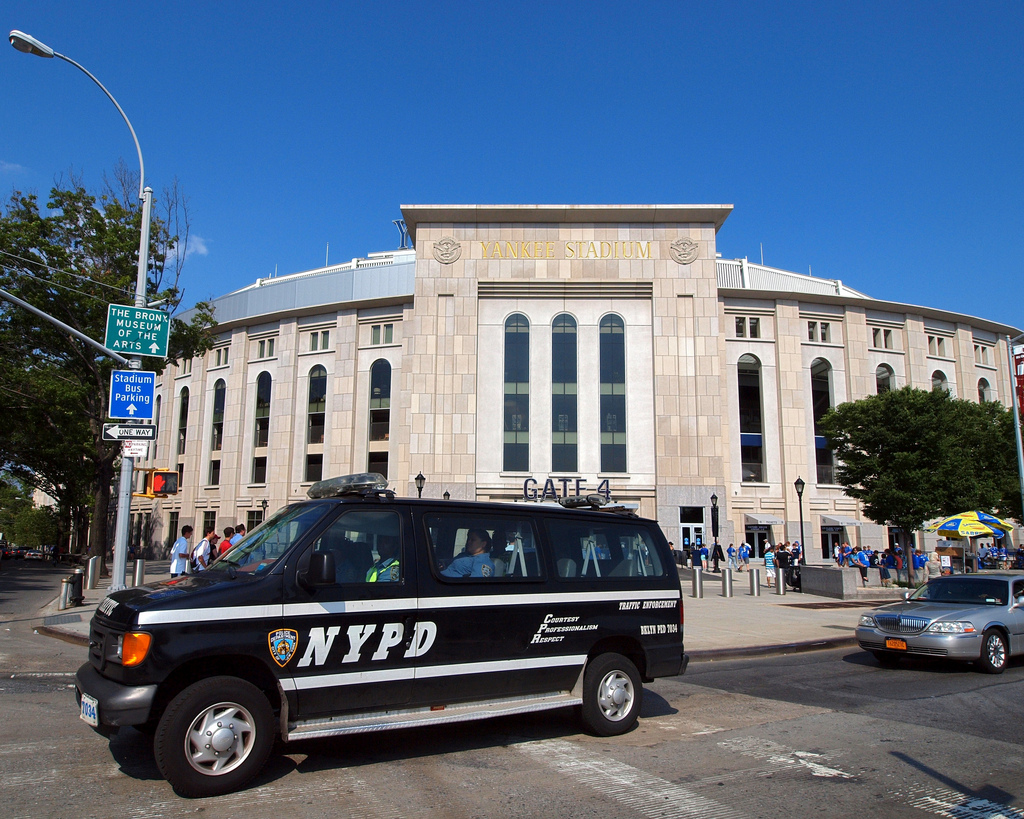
187 559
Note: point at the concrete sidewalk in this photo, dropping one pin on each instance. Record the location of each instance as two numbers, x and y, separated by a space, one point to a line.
715 627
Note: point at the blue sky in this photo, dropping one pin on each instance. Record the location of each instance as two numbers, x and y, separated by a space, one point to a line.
877 143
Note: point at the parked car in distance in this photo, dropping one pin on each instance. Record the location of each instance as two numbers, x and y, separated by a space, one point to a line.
34 554
974 617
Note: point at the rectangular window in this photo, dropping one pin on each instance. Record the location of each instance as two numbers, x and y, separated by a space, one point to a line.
812 331
259 469
375 335
316 428
209 522
382 334
942 347
824 332
314 467
262 435
887 339
221 356
755 327
261 349
587 551
482 549
314 342
253 518
319 340
876 337
741 327
172 527
377 462
215 472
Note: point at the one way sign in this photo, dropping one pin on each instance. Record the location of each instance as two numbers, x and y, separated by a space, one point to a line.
125 432
132 394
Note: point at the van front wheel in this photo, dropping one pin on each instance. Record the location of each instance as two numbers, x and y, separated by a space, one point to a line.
612 692
214 737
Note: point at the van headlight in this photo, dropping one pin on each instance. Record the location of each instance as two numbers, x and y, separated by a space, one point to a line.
132 648
867 620
951 627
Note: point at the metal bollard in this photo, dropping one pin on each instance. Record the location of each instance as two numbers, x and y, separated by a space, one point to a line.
140 573
92 579
65 593
755 582
726 582
780 582
698 582
77 595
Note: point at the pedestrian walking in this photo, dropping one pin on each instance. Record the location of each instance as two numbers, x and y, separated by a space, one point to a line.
201 554
179 552
238 535
704 557
732 554
225 543
744 556
769 564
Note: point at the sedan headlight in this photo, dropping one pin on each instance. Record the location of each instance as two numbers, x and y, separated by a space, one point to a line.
867 620
951 627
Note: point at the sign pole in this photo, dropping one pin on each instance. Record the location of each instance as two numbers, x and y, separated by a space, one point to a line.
124 489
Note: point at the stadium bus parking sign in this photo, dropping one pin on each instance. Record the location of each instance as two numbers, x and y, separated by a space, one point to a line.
132 394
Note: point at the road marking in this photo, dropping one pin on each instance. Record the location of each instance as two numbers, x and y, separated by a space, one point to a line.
783 756
646 794
956 804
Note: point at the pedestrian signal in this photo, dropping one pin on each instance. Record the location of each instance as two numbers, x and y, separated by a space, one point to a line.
163 483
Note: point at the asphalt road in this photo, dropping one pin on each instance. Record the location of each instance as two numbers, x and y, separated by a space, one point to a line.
817 734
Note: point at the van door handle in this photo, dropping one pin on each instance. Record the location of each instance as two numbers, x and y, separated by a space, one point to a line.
409 624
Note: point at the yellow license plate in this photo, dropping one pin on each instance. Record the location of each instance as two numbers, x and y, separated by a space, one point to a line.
892 642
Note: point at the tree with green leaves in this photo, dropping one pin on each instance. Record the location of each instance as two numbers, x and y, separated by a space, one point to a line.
71 261
910 456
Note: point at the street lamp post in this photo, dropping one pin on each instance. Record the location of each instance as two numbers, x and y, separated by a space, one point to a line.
799 485
264 503
30 45
420 483
714 527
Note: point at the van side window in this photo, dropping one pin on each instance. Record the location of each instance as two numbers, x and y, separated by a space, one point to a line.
367 547
478 548
605 550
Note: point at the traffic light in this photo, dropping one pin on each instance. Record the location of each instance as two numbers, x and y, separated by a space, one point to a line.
163 482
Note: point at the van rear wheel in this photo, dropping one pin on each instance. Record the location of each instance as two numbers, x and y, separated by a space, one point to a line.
214 737
612 692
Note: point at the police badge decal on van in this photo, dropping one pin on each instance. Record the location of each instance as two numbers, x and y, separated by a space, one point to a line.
283 643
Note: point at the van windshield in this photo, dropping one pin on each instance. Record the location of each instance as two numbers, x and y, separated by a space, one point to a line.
269 541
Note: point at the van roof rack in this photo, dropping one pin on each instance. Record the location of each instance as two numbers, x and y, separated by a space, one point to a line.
597 503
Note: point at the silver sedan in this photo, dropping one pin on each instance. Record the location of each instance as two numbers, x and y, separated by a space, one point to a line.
976 617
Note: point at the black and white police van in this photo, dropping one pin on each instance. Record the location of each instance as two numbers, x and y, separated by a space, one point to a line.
357 611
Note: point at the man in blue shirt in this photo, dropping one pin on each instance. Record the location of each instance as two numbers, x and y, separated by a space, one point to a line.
475 561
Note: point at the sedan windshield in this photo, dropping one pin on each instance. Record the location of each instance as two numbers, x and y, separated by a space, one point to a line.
269 541
973 591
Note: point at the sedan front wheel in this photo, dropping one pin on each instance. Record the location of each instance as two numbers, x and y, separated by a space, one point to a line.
994 653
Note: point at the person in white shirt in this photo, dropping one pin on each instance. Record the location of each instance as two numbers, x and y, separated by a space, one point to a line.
179 552
203 552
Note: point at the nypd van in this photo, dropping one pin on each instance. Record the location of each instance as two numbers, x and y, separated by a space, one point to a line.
357 611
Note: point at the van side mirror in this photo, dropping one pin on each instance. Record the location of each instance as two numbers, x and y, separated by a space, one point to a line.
1020 600
320 571
906 595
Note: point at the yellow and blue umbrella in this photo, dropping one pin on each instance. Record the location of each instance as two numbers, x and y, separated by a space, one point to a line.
971 524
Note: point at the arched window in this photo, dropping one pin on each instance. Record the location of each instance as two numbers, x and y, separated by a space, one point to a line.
261 429
613 394
516 456
563 394
217 430
748 376
217 436
939 381
984 391
316 405
821 402
182 420
884 379
380 416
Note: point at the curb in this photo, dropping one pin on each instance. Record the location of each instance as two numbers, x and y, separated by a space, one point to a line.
711 654
67 636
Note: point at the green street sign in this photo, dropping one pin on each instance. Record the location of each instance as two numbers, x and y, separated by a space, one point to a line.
137 330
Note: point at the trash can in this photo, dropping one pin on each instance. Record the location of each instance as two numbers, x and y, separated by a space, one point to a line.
77 595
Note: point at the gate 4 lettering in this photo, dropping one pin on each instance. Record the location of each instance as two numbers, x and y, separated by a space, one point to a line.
320 641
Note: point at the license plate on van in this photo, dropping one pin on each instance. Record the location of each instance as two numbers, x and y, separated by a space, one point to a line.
90 710
890 642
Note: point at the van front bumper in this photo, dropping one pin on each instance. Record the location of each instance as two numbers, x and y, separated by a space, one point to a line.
119 705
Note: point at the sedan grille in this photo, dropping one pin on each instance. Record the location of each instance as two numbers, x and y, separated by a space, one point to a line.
901 623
